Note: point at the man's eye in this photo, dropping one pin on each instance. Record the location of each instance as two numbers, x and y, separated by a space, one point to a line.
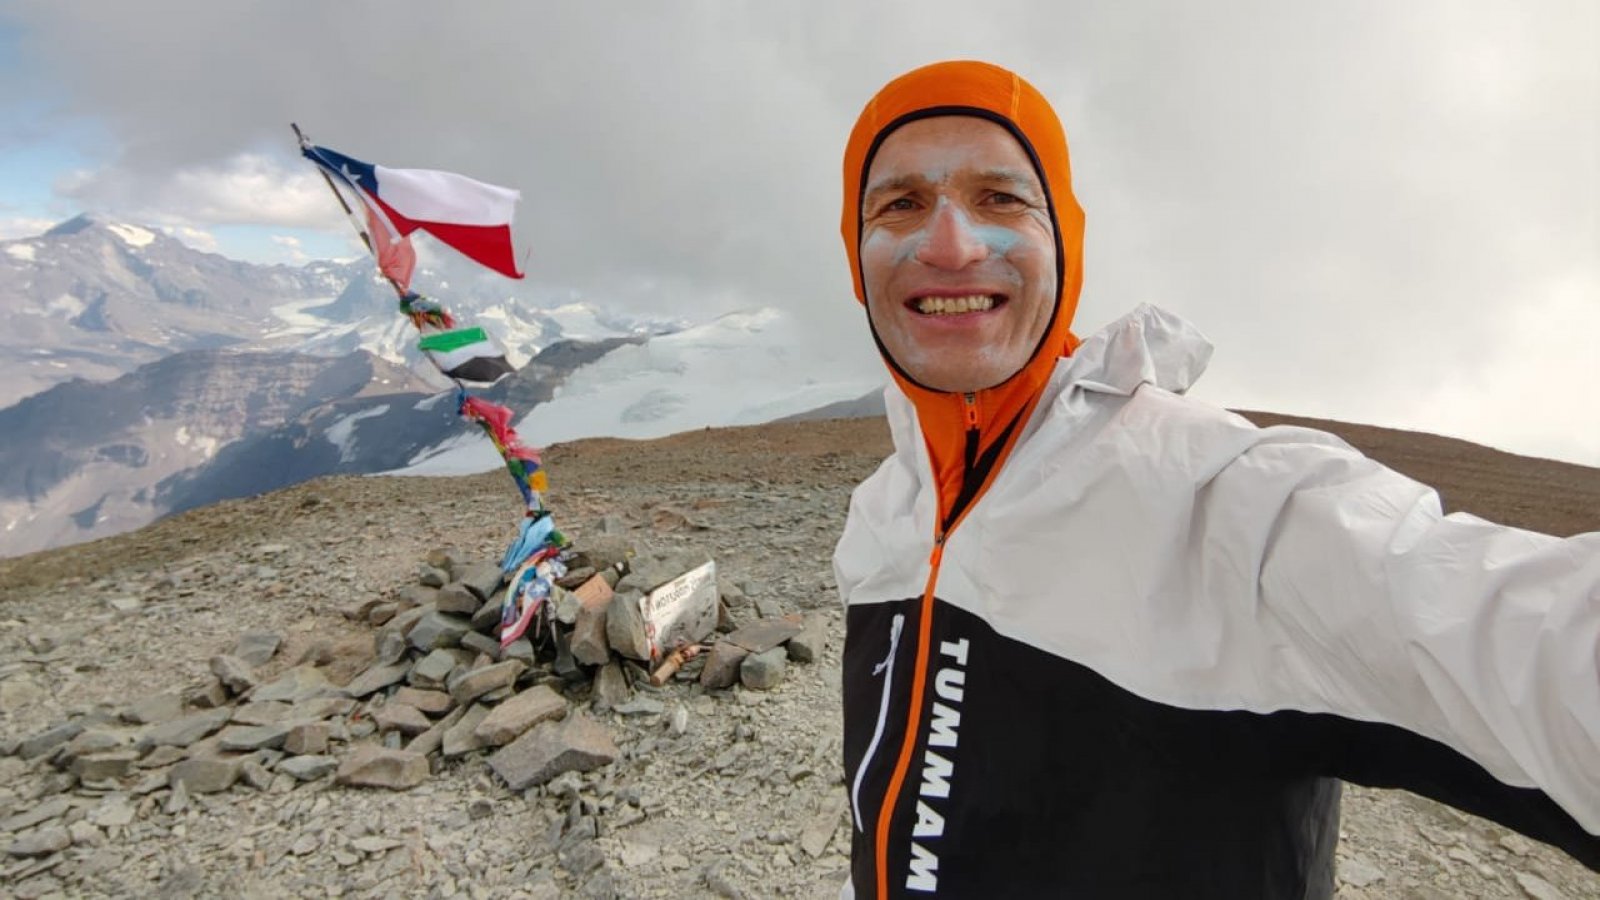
1001 198
899 204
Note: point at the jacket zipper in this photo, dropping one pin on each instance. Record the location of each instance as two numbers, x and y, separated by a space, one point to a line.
924 643
886 669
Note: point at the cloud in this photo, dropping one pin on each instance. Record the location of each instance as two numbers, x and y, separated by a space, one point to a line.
1354 200
12 227
198 238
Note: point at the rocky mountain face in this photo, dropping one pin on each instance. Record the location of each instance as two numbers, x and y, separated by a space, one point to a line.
177 703
85 459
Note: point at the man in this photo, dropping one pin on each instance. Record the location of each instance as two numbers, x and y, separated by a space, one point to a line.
1106 641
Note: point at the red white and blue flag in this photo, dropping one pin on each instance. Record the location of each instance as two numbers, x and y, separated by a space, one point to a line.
471 216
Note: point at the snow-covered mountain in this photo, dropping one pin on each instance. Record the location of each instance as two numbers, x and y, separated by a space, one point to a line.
95 298
741 369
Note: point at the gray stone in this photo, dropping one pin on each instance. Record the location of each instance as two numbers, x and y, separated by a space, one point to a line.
48 740
487 619
722 665
461 737
407 720
483 579
374 766
576 744
252 737
768 608
481 681
764 671
434 703
42 842
515 716
413 596
185 731
565 604
210 695
519 649
299 683
820 829
481 644
260 713
732 595
430 740
163 707
205 774
233 672
307 738
456 598
764 634
42 812
177 800
257 646
319 708
432 576
382 613
610 686
1358 871
308 768
807 644
253 773
589 645
161 757
104 766
376 679
625 632
94 740
388 647
433 670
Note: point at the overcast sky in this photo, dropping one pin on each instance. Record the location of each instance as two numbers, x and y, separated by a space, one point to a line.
1383 212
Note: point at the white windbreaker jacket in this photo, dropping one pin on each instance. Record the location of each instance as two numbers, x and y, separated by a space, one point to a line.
1162 633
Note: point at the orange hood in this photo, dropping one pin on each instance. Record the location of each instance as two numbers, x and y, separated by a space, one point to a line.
968 441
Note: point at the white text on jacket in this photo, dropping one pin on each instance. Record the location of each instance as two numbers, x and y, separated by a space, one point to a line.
943 727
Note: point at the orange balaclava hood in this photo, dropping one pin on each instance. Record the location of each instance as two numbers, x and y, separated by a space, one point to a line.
969 436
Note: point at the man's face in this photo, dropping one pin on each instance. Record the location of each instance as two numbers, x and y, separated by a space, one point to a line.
957 252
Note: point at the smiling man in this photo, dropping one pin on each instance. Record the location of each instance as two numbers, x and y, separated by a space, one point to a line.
1105 641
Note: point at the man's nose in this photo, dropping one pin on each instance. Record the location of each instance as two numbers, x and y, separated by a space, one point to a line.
951 241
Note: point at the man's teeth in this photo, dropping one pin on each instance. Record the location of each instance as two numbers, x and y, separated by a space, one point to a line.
951 306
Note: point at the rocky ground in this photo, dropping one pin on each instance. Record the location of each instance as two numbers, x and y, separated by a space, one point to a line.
732 792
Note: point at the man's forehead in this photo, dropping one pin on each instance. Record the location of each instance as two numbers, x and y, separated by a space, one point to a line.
942 148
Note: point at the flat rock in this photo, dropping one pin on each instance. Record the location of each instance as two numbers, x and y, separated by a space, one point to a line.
103 766
308 768
489 678
576 744
432 576
257 646
252 737
722 665
233 672
307 738
487 618
482 579
154 709
185 731
42 842
506 722
93 740
407 720
432 739
260 713
161 757
521 649
205 774
376 679
45 741
433 670
210 695
436 629
481 644
456 598
319 708
299 683
764 634
434 703
388 647
589 645
641 706
764 671
461 737
1537 888
374 766
42 812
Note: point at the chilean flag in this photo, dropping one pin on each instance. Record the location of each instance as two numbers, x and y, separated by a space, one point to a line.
471 216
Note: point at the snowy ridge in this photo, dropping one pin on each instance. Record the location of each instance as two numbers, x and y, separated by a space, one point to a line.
740 369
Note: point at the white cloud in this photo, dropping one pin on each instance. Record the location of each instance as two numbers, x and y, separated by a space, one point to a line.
13 227
244 189
198 238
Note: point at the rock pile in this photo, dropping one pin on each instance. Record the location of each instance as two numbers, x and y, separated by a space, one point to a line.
434 687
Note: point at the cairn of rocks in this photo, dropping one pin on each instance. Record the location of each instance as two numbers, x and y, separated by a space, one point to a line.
439 688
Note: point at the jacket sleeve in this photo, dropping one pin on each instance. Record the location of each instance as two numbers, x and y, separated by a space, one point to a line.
1455 632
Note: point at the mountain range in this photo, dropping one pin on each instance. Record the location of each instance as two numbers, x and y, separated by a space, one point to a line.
143 377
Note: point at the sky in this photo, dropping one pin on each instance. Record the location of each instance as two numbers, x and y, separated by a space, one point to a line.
1379 212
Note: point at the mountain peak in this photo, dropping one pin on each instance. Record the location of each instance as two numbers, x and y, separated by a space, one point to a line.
134 236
